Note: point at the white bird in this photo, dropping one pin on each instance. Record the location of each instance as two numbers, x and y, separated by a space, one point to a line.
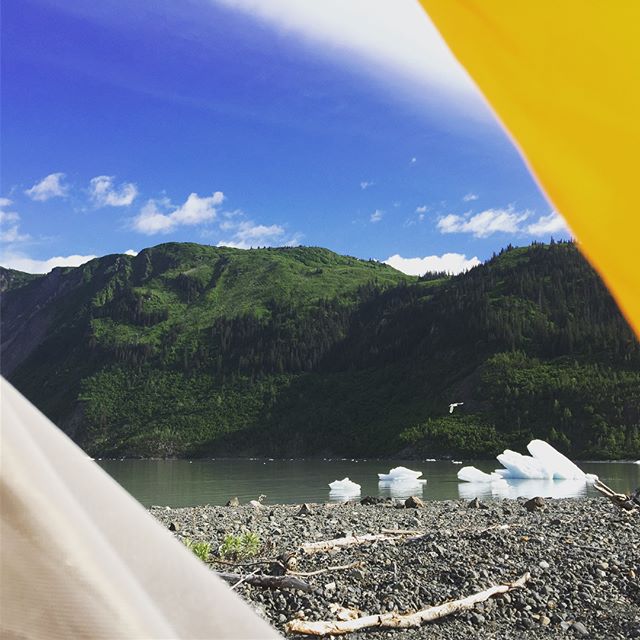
453 405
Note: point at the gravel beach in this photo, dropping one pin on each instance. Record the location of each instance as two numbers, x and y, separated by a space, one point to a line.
583 556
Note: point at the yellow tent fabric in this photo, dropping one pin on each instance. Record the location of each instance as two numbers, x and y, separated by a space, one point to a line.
564 78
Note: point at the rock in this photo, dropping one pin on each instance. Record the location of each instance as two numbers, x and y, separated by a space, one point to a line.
543 564
233 502
544 621
414 503
476 618
534 504
305 510
580 629
473 504
174 526
371 500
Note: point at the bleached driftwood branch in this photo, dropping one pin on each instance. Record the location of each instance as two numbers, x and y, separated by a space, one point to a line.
400 621
349 541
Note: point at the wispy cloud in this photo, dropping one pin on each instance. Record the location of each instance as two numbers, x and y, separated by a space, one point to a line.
21 262
160 216
247 234
546 225
104 193
422 209
49 187
453 263
376 216
470 197
393 42
9 227
485 223
365 184
413 160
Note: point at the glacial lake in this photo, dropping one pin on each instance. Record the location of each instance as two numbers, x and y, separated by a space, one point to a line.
183 483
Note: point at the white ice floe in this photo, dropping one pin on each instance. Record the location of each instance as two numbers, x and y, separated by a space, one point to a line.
345 487
399 474
471 474
456 462
544 463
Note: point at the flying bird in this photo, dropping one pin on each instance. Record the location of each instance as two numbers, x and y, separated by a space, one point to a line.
453 405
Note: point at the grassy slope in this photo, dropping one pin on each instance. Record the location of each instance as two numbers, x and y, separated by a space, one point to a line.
342 355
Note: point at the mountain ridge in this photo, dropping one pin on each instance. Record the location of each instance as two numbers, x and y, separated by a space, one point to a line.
191 350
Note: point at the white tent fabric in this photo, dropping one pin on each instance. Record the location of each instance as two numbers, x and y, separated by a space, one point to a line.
80 558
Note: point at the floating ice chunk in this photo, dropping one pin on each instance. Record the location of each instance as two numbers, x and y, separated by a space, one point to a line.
637 462
345 487
519 466
561 466
398 473
471 474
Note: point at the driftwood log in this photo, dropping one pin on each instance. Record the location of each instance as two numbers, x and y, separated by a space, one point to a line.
400 621
628 503
268 582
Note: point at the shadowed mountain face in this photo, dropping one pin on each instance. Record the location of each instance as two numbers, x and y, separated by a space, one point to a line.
188 350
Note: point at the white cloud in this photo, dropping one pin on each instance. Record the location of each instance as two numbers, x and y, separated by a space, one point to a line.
247 235
450 262
49 187
485 223
10 233
470 197
388 40
130 252
546 225
413 160
376 216
30 265
422 209
365 184
157 216
104 192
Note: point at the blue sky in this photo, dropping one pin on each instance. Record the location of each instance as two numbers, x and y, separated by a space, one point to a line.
250 123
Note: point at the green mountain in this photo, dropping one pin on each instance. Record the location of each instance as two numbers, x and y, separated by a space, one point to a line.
191 350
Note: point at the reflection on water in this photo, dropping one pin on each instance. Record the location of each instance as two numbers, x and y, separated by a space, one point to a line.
184 483
401 488
524 488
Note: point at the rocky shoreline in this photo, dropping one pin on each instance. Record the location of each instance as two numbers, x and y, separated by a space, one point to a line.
583 556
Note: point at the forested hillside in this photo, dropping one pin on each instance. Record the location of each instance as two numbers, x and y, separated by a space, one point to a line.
188 350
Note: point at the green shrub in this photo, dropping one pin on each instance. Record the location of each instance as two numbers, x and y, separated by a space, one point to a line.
201 549
244 545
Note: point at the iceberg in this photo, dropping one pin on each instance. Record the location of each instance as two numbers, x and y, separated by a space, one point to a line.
399 473
544 463
471 474
344 487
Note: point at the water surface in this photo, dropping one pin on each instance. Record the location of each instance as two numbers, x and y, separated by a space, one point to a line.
182 483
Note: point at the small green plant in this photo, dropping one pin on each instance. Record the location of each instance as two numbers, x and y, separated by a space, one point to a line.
244 545
201 549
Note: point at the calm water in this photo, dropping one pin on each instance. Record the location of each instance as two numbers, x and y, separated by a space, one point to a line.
180 483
